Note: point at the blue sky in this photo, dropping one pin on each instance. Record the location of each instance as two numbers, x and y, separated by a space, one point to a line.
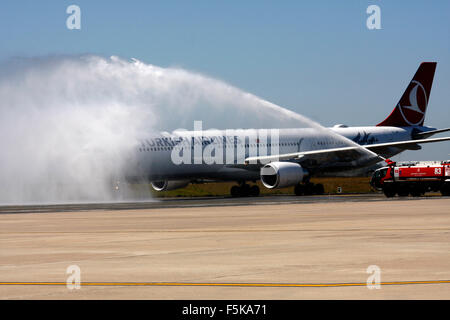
314 57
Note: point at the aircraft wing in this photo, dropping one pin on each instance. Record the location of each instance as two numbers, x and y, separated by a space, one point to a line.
318 158
351 153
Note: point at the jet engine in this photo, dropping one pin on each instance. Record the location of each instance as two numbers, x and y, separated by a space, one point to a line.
282 174
166 185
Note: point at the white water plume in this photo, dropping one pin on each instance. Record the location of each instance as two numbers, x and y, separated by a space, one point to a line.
68 124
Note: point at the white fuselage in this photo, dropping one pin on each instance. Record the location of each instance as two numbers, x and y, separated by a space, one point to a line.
219 155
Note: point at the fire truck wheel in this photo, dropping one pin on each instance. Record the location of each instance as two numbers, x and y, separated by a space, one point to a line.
416 192
445 190
389 192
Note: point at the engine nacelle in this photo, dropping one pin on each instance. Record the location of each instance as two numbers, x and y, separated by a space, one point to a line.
167 185
282 174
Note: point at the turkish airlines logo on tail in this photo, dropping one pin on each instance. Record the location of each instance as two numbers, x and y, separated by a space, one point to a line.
413 111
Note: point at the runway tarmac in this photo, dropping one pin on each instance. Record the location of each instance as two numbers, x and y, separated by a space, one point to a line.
161 203
276 247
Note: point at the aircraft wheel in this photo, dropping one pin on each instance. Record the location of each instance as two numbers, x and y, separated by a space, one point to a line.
254 191
319 189
245 190
299 189
309 189
235 191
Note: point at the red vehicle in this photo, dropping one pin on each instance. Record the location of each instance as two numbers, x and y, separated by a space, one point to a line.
412 179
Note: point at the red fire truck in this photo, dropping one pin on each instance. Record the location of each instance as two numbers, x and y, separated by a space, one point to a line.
414 178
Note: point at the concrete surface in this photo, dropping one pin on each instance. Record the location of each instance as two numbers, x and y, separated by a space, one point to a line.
296 243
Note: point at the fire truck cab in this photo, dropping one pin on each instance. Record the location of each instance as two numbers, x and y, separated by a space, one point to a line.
412 178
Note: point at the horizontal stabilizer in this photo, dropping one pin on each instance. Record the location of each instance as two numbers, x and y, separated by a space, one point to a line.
426 134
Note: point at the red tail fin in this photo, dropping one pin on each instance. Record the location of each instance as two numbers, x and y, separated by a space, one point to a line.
411 109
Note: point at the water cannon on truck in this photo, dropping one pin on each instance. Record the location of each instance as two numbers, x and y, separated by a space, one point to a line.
413 178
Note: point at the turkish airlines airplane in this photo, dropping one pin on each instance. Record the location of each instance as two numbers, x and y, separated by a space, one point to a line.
286 157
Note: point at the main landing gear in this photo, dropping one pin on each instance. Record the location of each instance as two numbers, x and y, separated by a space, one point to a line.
308 189
244 190
301 189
